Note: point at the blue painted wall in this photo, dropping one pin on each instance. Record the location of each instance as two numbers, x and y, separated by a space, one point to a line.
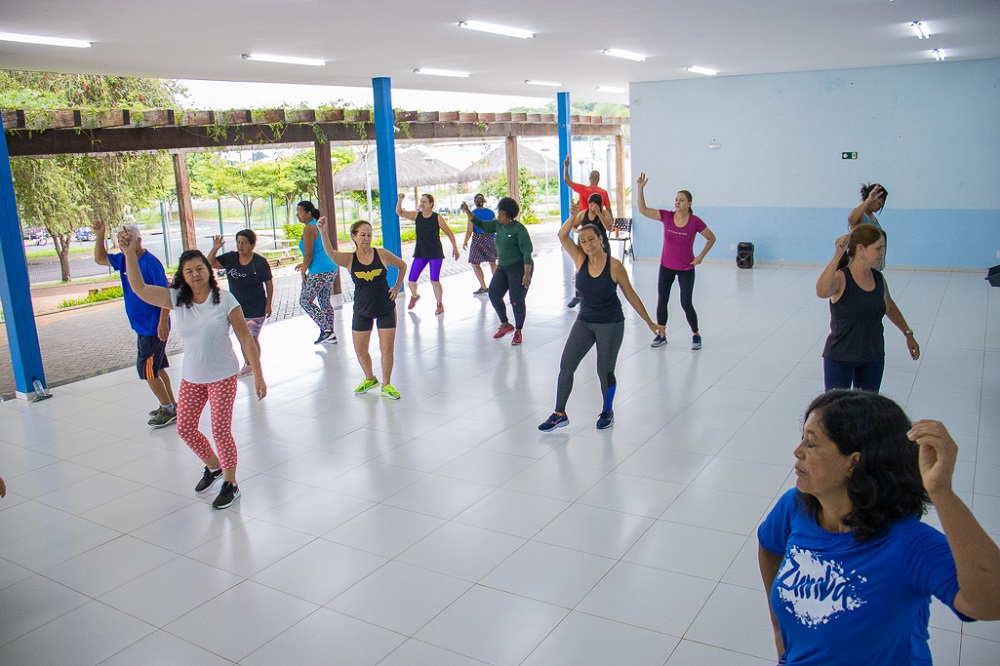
930 133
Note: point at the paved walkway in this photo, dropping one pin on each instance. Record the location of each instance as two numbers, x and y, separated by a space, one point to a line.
89 341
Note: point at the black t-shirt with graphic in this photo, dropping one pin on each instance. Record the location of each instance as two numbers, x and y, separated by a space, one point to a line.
246 283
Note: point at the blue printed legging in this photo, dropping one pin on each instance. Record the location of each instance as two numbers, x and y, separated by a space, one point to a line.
318 287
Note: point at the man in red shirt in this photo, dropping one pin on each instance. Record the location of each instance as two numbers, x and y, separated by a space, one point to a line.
584 191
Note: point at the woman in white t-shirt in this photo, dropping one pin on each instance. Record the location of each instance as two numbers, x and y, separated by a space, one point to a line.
204 314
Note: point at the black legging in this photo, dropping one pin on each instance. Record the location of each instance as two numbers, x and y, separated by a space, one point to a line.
508 279
583 336
686 281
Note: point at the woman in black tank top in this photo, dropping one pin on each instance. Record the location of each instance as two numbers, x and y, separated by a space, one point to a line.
428 250
854 355
602 220
601 320
374 301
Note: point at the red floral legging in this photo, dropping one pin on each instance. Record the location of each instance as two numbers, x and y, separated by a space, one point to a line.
191 401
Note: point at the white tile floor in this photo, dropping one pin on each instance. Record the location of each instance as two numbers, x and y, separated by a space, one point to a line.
443 528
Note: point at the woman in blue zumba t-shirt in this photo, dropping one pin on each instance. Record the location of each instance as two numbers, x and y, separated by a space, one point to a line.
849 568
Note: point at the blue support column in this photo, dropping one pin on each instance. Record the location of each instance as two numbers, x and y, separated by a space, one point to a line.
15 289
565 136
385 146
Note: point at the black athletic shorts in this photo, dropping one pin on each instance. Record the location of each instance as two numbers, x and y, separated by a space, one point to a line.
152 356
363 323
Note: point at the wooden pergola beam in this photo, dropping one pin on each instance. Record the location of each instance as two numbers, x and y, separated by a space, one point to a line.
25 143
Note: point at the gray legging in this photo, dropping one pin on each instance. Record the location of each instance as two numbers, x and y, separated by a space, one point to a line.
608 338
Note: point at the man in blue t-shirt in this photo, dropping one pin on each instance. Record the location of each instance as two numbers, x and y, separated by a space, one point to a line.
151 324
484 245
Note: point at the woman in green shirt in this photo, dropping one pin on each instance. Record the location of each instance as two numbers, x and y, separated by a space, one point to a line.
514 265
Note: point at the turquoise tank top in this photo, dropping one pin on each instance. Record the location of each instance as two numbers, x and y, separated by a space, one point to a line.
321 261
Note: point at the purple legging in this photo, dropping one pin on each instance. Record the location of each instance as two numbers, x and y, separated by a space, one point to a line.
418 265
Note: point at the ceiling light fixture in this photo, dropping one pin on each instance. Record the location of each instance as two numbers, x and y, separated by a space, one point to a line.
919 30
609 89
701 70
286 60
496 29
46 41
628 55
937 54
550 84
430 71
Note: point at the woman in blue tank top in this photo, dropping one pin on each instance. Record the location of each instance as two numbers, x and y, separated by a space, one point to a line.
601 320
854 354
319 274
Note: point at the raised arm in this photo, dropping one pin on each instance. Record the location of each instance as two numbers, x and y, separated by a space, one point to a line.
158 296
410 215
769 564
572 249
977 558
443 225
489 226
100 252
857 216
389 259
651 213
607 218
831 281
709 242
339 258
566 179
217 243
896 317
620 276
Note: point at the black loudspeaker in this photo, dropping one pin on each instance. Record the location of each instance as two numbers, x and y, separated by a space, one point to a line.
744 255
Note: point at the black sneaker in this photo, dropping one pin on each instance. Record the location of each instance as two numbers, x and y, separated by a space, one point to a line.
330 339
480 292
573 303
553 422
230 493
658 341
605 419
162 418
323 335
208 480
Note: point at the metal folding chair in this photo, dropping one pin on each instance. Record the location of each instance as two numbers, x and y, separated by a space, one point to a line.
623 233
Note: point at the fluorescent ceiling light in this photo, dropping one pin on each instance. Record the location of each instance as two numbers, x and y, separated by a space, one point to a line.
430 71
47 41
919 30
628 55
937 54
701 70
288 60
609 89
550 84
496 29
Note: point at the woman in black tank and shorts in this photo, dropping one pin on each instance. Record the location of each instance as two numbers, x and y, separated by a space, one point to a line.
601 320
374 301
854 355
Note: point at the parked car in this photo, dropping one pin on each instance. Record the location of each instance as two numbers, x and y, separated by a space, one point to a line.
85 234
27 233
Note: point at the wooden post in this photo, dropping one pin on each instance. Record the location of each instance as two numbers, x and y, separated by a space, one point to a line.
416 197
185 208
325 193
620 174
513 190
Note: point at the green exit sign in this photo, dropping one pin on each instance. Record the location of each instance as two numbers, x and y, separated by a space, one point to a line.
849 156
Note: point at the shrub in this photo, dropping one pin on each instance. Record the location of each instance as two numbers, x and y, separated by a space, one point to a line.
109 294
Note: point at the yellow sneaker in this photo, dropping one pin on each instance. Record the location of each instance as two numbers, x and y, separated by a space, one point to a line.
389 391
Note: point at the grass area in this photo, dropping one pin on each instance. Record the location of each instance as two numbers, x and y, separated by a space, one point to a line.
51 252
109 294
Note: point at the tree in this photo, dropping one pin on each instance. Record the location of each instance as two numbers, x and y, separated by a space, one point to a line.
249 183
302 173
527 189
61 193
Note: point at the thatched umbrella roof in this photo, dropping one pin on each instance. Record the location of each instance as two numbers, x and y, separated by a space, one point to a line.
495 163
413 168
